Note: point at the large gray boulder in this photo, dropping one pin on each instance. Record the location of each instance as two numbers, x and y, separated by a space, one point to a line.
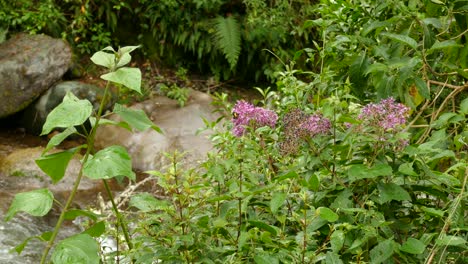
29 65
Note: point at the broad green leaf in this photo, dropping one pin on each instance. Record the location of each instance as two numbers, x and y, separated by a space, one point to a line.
104 59
264 258
402 39
108 163
392 191
36 203
433 211
423 90
128 49
435 22
96 230
376 67
104 121
361 171
407 169
264 226
313 182
327 214
55 165
337 240
443 45
374 25
413 246
450 241
81 248
43 237
74 213
332 258
464 106
128 77
146 202
381 252
277 201
71 112
124 54
136 118
58 138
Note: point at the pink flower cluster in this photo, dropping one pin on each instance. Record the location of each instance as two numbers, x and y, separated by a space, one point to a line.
387 114
316 124
245 114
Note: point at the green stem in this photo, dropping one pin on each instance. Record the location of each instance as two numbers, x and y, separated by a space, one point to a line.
76 184
118 215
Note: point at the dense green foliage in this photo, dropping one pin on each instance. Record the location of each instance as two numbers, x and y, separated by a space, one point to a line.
218 36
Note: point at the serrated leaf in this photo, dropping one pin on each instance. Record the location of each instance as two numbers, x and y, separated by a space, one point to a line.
71 112
381 252
146 202
58 138
104 59
392 191
277 201
55 165
36 203
407 169
81 248
327 214
136 118
126 76
413 246
228 38
361 171
443 45
108 163
402 39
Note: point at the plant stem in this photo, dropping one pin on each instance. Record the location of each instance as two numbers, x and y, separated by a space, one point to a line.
76 184
118 215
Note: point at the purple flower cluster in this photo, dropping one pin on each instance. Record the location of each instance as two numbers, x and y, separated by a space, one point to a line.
387 114
316 124
245 114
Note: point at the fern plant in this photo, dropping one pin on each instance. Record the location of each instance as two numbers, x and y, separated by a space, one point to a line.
227 37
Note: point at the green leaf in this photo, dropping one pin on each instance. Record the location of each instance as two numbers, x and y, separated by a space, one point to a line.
108 163
413 246
381 252
124 54
96 230
228 38
81 248
361 171
36 203
374 25
71 112
402 39
332 258
392 191
443 45
264 258
264 226
407 169
104 121
313 182
126 76
277 201
464 106
423 90
74 213
136 118
450 241
146 202
327 214
56 164
337 240
104 59
58 138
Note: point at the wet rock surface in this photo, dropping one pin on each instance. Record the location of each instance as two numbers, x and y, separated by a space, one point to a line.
29 65
179 124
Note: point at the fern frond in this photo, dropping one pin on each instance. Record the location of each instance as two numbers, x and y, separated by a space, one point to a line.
228 38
